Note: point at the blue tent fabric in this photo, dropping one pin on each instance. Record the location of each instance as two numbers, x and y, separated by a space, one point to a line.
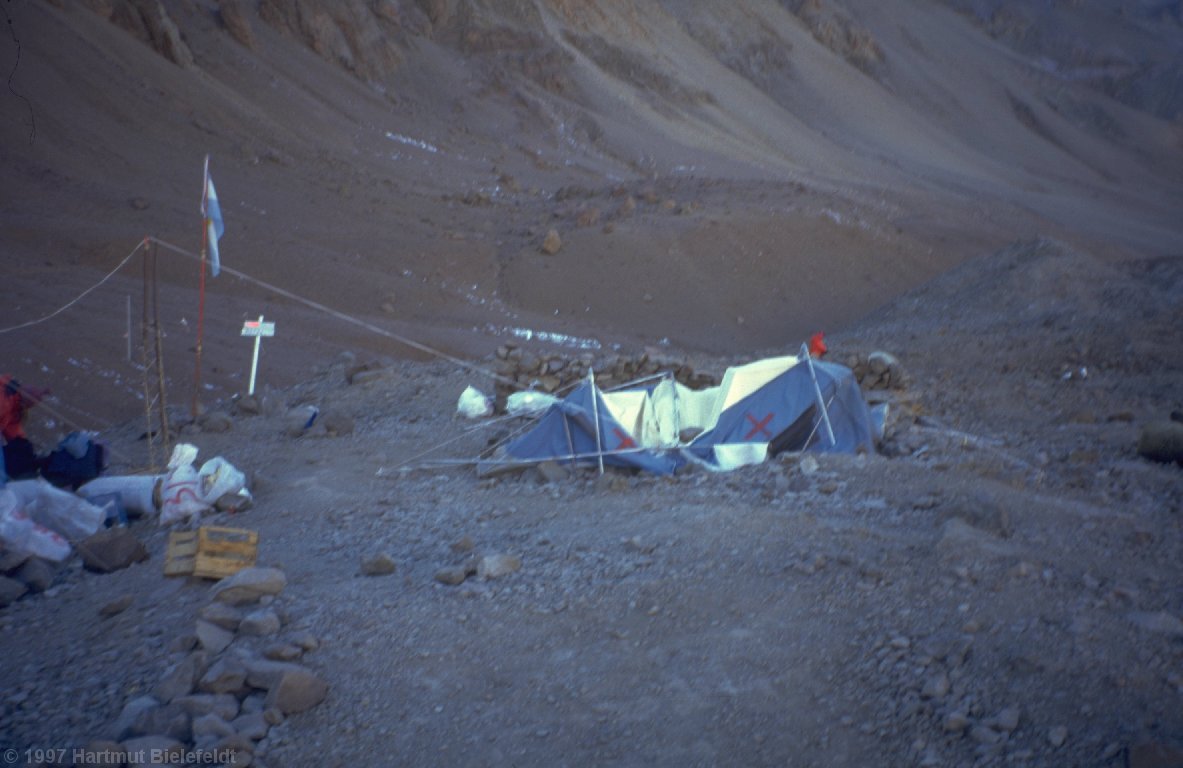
764 415
567 433
784 414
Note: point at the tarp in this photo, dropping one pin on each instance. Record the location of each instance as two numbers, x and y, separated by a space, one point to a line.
759 409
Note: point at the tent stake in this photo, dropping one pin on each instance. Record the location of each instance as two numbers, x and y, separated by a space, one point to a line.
821 401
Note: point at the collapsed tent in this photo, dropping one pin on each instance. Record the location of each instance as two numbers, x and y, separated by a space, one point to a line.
758 410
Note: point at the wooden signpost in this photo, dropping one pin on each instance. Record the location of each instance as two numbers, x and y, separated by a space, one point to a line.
258 329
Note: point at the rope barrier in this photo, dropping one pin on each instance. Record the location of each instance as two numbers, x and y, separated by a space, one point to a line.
80 296
344 317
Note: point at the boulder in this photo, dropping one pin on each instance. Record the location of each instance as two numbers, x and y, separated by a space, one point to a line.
248 585
226 675
111 549
179 680
222 615
297 691
265 673
212 637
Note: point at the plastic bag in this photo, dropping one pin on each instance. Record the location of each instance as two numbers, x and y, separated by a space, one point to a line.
529 403
18 532
474 404
64 513
187 492
179 498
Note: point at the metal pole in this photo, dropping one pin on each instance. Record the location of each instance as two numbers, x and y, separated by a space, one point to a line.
821 401
591 378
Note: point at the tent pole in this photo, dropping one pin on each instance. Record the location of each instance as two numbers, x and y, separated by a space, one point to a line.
591 378
821 401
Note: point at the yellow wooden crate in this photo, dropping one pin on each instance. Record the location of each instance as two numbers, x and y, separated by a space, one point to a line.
210 552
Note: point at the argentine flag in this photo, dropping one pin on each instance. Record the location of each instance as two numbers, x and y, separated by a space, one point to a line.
213 220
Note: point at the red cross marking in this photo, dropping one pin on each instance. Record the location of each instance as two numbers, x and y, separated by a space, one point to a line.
625 440
758 426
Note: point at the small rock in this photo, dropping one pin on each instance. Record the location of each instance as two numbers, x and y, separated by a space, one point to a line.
283 652
378 565
1008 719
300 419
216 422
955 722
935 687
494 566
1057 736
297 691
452 575
337 424
111 549
984 735
552 244
248 585
463 545
115 607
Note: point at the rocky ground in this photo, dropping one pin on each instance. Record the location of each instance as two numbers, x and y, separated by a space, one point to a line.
999 585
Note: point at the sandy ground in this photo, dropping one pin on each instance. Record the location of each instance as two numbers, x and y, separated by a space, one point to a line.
724 185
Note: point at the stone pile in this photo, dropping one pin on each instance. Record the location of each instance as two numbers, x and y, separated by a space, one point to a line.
108 550
235 680
556 373
876 370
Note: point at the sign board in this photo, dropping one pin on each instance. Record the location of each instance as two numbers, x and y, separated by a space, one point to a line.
258 328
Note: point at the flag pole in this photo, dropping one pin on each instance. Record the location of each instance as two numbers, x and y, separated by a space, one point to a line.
201 292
